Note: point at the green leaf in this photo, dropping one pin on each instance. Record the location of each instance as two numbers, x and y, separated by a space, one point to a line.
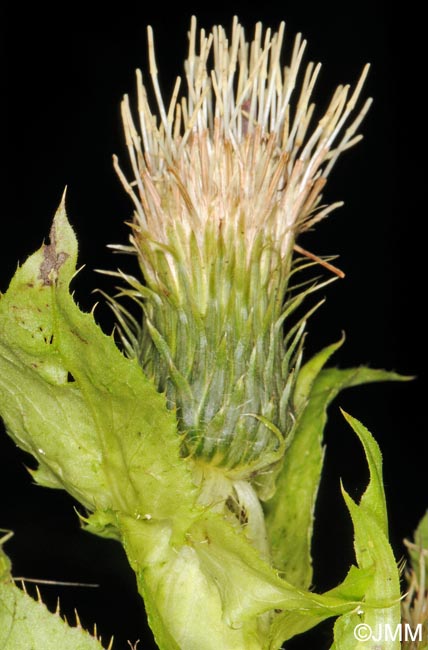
373 500
94 422
372 550
27 624
217 581
290 513
288 624
249 585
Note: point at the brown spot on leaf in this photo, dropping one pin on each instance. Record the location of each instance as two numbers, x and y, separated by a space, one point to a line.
52 259
79 336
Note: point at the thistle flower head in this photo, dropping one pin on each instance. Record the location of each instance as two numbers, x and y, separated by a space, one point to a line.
224 180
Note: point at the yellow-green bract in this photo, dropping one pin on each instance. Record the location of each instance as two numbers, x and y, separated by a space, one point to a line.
99 429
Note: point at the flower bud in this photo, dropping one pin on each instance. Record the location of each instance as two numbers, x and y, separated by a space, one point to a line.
225 179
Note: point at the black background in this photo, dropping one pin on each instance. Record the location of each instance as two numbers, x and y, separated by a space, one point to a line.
65 71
